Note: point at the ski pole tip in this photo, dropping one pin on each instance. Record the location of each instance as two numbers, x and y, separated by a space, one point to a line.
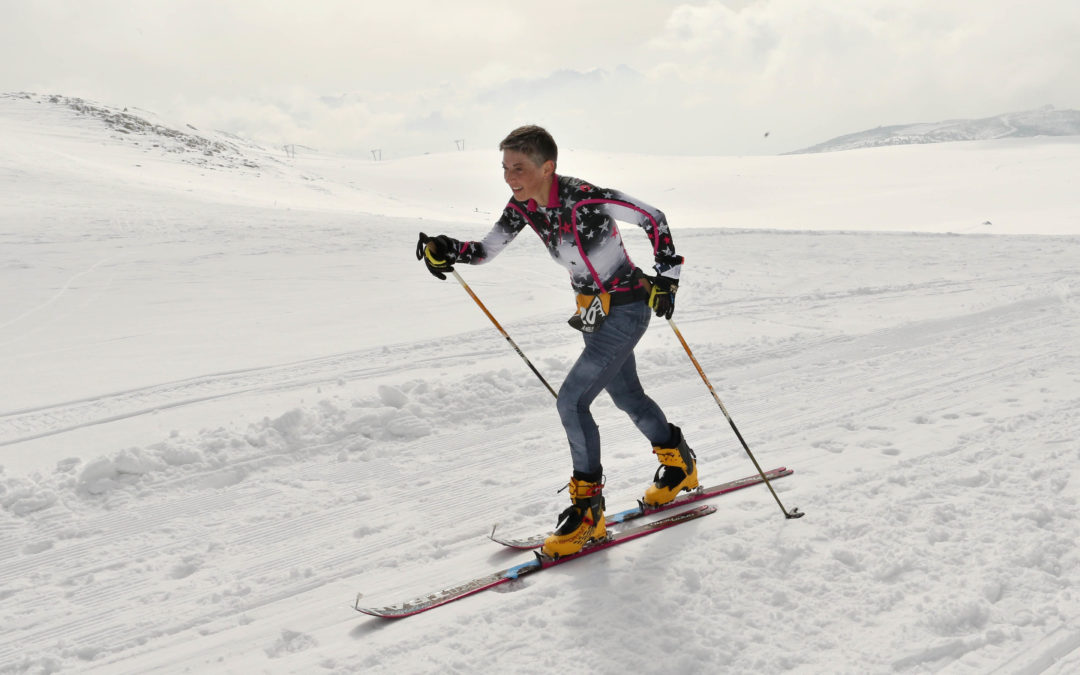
794 513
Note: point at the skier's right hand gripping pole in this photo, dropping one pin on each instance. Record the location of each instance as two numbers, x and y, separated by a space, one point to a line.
794 513
436 252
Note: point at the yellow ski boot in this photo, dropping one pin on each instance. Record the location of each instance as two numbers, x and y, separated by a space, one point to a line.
581 522
677 472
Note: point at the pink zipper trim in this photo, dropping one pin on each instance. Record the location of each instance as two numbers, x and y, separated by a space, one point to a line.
581 249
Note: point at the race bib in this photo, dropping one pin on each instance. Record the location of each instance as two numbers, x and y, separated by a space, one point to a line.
591 312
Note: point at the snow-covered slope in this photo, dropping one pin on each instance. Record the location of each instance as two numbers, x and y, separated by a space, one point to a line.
232 399
140 129
1045 121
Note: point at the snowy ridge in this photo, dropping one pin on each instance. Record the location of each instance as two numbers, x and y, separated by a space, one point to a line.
233 401
138 130
1045 121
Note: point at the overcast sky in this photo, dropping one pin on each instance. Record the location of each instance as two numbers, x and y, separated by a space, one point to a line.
655 76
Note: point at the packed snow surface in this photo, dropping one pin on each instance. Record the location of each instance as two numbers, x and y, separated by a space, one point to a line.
232 399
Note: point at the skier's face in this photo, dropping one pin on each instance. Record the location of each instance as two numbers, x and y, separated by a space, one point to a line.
525 178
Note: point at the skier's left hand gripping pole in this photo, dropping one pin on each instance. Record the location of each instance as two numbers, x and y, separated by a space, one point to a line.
504 333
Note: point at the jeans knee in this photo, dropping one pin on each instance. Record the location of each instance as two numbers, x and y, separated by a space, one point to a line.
571 405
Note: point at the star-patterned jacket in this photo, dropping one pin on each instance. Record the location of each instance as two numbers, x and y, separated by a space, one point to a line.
578 228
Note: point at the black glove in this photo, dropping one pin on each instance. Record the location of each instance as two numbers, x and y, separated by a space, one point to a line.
436 253
662 296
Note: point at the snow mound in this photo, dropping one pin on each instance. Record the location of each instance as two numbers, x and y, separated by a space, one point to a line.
221 457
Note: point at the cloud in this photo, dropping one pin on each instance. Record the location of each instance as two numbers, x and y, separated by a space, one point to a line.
889 56
659 77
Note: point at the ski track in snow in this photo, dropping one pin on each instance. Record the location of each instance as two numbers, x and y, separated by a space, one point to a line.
24 425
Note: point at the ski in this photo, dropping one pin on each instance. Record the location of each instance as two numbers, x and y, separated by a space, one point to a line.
540 562
612 519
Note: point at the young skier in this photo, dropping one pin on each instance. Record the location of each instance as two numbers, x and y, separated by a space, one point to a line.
576 222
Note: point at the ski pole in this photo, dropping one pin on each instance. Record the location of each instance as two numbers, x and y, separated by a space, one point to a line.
794 513
504 333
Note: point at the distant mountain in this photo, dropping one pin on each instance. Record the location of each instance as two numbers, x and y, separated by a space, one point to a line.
1045 121
209 149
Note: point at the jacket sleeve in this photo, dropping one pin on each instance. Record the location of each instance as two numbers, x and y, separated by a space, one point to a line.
624 208
502 233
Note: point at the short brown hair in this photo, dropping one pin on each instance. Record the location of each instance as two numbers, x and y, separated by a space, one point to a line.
533 141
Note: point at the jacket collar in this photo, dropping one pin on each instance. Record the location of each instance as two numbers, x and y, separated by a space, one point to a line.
553 196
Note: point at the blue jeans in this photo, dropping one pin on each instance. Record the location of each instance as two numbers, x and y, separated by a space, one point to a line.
607 363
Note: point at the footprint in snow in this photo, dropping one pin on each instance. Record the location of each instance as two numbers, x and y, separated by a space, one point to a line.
290 642
829 446
184 569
